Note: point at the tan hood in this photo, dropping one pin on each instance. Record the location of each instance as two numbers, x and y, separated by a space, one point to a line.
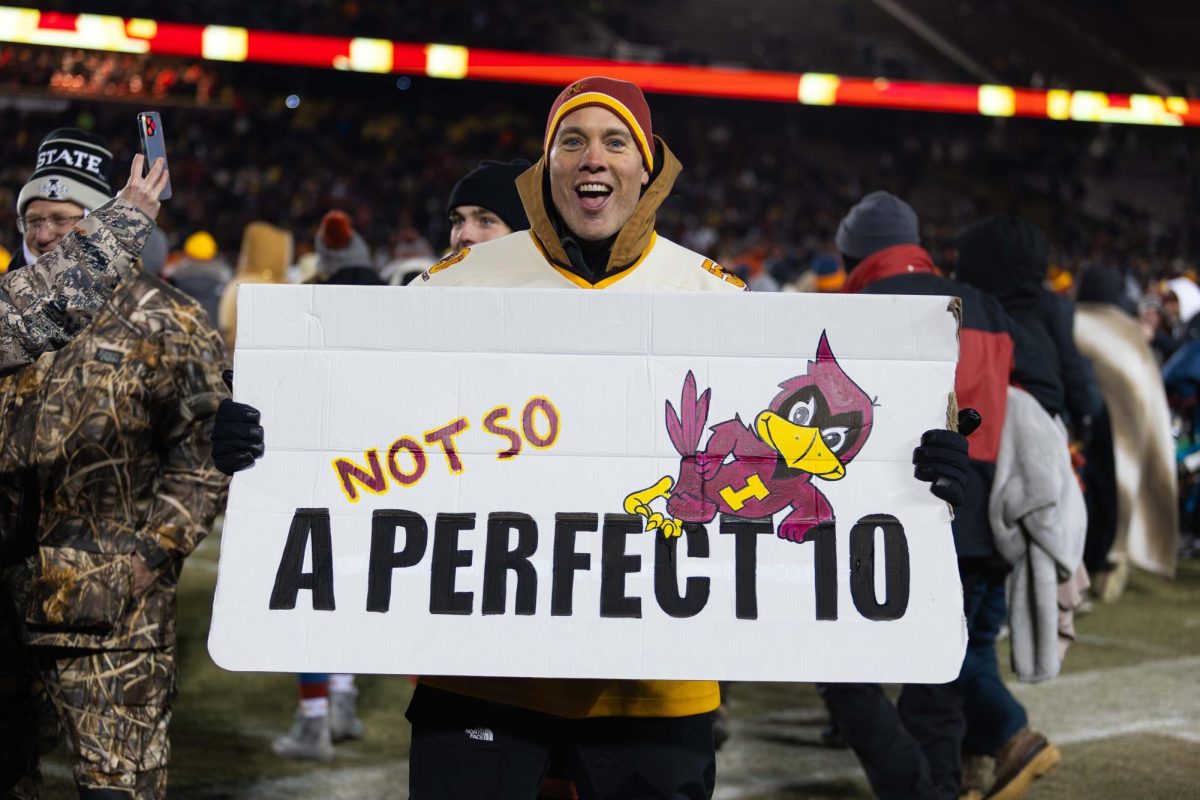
265 255
634 237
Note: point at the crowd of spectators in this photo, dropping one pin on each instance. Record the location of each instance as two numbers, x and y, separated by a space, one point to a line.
109 76
763 185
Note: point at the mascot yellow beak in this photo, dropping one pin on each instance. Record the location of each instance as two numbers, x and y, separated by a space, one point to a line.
801 448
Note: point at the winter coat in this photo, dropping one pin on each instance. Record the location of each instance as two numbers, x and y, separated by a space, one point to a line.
44 305
1144 451
104 454
1040 523
992 353
1081 393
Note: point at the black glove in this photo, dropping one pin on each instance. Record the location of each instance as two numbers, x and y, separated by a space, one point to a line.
942 460
237 438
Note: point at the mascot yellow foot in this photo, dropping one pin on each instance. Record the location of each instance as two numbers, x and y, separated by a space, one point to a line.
639 503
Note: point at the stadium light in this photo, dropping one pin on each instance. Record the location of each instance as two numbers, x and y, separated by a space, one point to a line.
453 62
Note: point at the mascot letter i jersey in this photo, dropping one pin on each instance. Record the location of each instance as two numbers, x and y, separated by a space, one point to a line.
812 428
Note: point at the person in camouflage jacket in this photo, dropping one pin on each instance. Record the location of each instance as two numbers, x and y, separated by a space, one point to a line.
46 304
106 480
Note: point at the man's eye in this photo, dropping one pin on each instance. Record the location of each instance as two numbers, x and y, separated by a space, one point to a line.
486 221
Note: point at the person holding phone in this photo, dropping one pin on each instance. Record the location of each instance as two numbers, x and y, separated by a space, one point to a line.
106 483
76 243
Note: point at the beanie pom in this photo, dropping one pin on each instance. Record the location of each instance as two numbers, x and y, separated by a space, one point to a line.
336 230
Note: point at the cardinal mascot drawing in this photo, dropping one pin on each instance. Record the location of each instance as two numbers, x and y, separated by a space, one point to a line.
812 429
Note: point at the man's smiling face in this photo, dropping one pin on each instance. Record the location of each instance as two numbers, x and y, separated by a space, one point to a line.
596 173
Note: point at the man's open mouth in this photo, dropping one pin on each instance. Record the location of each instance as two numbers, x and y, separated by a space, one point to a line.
593 196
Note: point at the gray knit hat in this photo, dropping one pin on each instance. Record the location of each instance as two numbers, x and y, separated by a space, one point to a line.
878 221
72 166
339 245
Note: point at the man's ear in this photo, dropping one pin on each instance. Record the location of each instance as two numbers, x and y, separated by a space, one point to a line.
645 177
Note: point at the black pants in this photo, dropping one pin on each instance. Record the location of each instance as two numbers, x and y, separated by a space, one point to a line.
1100 492
910 751
464 747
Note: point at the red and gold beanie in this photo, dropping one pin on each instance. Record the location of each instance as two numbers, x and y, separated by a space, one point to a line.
620 97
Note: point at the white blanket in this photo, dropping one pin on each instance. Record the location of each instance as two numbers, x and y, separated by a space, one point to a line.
1039 521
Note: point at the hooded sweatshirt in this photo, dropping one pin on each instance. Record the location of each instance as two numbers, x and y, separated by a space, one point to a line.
1007 257
1188 294
636 259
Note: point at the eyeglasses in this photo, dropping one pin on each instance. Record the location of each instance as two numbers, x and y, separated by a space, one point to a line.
55 222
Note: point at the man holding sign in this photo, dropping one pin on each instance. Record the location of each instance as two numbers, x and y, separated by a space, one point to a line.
591 201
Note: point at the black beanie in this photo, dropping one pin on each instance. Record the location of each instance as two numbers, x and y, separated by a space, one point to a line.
1105 285
72 166
493 185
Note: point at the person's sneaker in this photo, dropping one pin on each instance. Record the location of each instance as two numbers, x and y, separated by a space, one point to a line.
974 778
1026 757
343 716
308 739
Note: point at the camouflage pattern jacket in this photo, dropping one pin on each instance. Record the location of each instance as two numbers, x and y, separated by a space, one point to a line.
104 453
44 305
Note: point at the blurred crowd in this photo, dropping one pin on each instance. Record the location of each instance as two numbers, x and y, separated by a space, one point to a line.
761 188
108 76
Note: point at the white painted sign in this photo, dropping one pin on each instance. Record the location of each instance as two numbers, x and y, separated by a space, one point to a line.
591 485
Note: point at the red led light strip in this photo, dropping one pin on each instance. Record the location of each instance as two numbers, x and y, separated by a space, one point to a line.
223 43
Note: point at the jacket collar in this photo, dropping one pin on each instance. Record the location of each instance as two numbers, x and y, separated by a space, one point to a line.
632 241
900 259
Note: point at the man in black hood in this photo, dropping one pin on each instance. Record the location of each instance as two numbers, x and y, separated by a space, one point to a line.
1007 257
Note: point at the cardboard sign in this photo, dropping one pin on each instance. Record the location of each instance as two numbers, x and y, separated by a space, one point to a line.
591 485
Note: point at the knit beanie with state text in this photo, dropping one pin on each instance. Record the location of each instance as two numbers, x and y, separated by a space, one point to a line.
72 166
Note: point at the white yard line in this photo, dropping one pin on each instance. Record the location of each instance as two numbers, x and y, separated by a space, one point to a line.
1151 697
1127 644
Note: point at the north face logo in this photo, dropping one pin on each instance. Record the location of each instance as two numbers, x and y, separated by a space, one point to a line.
54 189
481 734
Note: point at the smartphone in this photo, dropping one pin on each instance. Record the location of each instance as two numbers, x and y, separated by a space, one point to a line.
150 133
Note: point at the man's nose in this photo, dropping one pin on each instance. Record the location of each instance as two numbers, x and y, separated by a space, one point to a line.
47 237
593 158
469 235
